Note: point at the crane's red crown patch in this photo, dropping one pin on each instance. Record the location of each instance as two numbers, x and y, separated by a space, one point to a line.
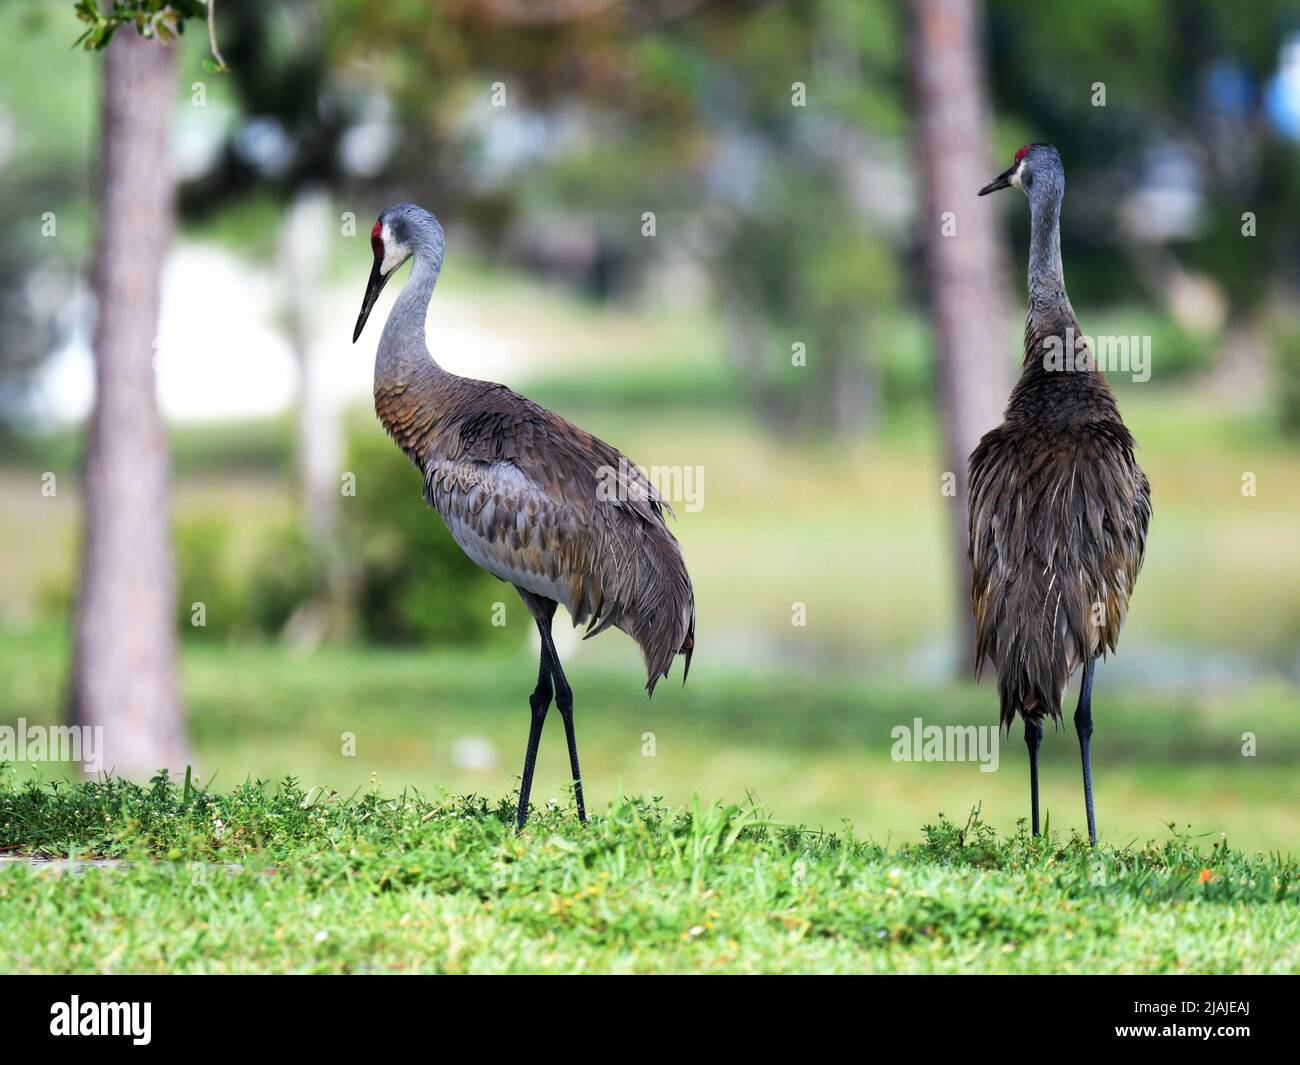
377 238
1024 150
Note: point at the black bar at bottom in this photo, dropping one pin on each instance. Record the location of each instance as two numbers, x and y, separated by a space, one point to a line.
300 1013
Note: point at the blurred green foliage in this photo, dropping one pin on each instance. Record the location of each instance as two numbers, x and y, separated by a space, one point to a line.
252 445
413 582
212 594
287 572
407 580
248 587
1181 80
799 216
1288 393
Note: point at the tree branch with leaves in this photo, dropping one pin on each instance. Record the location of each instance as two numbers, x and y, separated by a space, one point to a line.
161 19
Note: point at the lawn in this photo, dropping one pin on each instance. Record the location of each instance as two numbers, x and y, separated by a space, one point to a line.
1196 748
284 879
812 746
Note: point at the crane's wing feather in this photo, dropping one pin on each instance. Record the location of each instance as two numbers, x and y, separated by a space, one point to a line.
554 510
565 462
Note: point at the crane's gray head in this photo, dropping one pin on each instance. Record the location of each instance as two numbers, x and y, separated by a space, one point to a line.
1036 171
402 231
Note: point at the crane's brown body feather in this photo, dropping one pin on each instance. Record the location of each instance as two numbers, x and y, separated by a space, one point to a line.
1058 521
548 507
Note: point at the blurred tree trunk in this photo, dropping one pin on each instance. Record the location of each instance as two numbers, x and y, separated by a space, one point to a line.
320 434
124 658
965 273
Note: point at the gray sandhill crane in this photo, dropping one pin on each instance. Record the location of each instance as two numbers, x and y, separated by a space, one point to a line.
1058 505
526 494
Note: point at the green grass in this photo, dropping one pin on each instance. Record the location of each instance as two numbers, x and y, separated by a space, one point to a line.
283 879
813 746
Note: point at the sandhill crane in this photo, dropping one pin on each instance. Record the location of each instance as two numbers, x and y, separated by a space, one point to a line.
526 494
1058 506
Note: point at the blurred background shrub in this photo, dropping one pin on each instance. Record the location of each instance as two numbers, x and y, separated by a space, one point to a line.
413 583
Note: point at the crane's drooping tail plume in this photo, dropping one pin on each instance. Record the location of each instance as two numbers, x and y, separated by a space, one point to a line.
652 601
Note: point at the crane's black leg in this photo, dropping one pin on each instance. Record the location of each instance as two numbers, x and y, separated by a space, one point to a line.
540 703
1033 737
564 703
1083 725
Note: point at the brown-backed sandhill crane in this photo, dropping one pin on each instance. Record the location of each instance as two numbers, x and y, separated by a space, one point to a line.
526 494
1058 506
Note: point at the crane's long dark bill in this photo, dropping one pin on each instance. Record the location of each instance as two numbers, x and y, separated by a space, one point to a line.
1002 181
373 287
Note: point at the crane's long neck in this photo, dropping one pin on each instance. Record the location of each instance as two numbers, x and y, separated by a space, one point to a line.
403 355
1046 279
412 392
1053 386
1051 318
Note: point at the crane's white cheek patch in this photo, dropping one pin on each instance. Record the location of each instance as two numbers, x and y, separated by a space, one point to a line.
395 253
394 256
1015 177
